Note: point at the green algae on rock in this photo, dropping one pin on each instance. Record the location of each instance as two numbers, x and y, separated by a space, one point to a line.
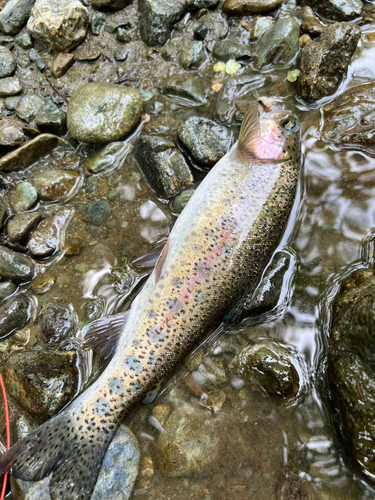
103 112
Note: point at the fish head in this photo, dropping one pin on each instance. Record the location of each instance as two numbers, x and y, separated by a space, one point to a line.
269 134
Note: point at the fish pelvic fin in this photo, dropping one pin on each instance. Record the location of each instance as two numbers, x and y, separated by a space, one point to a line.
102 335
58 447
249 133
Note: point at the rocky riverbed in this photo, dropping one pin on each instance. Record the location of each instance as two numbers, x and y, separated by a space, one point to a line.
112 112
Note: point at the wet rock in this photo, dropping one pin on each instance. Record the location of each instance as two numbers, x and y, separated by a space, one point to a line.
42 284
55 185
279 44
11 133
192 55
98 212
349 118
186 88
270 365
62 64
206 140
42 382
23 197
110 5
180 202
24 40
121 54
249 7
15 266
6 289
103 112
28 153
215 23
7 62
48 236
11 102
55 323
230 49
200 32
324 62
312 27
88 53
157 18
120 466
15 313
50 118
14 15
260 25
60 25
28 107
163 165
20 226
10 86
108 157
337 10
97 22
351 365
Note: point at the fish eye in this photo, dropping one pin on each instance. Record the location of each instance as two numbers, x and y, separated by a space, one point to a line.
288 124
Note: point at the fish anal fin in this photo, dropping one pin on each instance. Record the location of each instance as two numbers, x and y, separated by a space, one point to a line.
249 133
102 334
160 262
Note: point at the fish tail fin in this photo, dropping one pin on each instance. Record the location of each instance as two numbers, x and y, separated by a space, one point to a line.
61 448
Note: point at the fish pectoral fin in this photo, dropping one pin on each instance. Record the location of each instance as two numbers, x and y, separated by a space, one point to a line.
59 447
249 133
148 260
160 262
102 334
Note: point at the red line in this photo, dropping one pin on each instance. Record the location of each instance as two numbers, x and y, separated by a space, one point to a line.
7 432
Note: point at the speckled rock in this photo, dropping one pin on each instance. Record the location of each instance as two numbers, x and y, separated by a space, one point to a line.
19 227
230 49
110 5
55 185
60 25
7 62
42 382
10 86
11 132
103 112
49 235
338 10
15 313
248 7
98 212
270 365
163 165
28 153
15 266
157 18
23 197
279 44
14 15
324 62
205 140
55 323
6 289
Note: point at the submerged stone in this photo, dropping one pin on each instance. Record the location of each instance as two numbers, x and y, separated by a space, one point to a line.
324 62
98 212
48 236
20 226
279 44
103 112
55 185
55 323
23 197
15 313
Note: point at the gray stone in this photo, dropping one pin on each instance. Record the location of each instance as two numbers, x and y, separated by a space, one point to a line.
103 112
15 266
11 103
339 10
324 61
98 212
180 202
15 313
249 7
192 55
206 140
10 86
48 236
200 32
28 153
123 35
260 25
110 5
24 40
230 49
23 197
20 226
97 22
121 54
11 133
6 289
186 88
7 62
279 44
50 118
42 382
60 25
28 106
157 18
56 323
14 15
163 165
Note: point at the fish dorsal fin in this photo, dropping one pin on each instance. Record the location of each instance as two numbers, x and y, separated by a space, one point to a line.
249 133
102 334
160 262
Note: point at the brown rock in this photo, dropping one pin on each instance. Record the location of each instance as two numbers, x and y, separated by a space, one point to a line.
28 153
62 64
248 7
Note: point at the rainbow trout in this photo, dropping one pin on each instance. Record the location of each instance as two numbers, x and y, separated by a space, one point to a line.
218 246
